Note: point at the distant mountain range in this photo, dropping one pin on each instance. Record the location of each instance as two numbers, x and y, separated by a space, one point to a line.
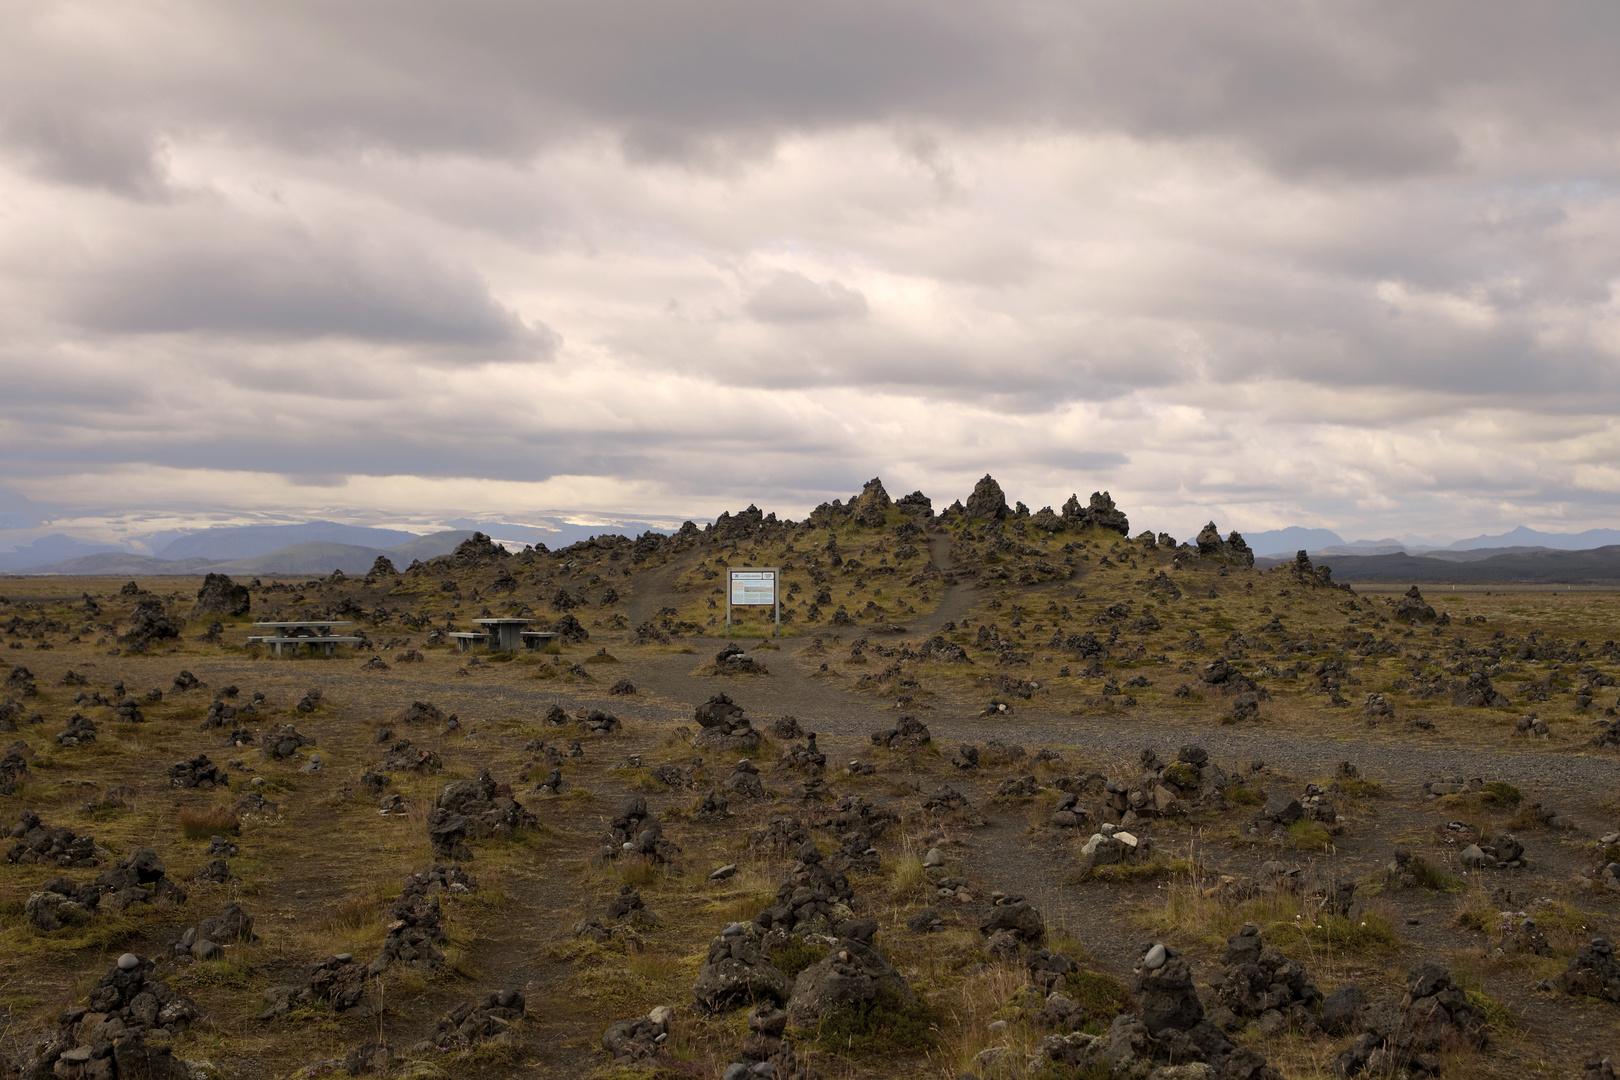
1324 542
1481 567
35 538
310 557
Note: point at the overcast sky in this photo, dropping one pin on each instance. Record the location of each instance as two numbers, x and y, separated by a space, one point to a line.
1349 265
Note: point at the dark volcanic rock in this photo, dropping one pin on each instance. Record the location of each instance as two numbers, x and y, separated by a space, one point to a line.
220 595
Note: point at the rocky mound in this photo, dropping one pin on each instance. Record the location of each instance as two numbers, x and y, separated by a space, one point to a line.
473 809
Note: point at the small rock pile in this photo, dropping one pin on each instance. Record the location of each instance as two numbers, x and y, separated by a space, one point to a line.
339 983
106 1037
1023 787
1111 846
744 781
128 711
812 898
186 681
725 728
470 809
1012 924
806 759
416 926
13 768
38 843
403 757
908 736
854 971
140 878
1263 984
766 1051
198 772
310 701
780 835
731 660
61 902
220 714
736 973
629 907
635 831
597 722
80 730
21 682
1594 972
1502 853
205 940
1434 1015
489 1020
629 1042
946 799
284 743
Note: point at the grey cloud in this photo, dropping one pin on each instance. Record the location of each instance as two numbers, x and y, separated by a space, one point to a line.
113 154
792 297
1360 89
289 283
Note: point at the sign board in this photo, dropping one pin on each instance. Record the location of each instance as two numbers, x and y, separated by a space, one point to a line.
753 587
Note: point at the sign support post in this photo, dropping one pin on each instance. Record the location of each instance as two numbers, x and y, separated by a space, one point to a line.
754 587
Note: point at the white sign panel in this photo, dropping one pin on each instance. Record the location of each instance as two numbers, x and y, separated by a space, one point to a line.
752 587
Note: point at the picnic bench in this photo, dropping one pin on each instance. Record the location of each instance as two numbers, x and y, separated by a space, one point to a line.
498 635
538 639
295 635
466 639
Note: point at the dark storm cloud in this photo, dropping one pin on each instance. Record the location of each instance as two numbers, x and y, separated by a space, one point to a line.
1372 88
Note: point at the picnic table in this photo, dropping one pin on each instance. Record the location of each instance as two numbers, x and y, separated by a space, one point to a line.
500 635
296 635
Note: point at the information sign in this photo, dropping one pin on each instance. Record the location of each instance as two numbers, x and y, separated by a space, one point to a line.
754 586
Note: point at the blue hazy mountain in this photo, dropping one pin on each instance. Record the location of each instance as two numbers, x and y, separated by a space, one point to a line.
249 541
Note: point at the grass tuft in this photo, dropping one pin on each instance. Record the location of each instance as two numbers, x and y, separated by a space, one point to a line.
203 824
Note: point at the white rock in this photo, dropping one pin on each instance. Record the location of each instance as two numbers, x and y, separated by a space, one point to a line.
128 962
935 857
1128 839
1155 958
